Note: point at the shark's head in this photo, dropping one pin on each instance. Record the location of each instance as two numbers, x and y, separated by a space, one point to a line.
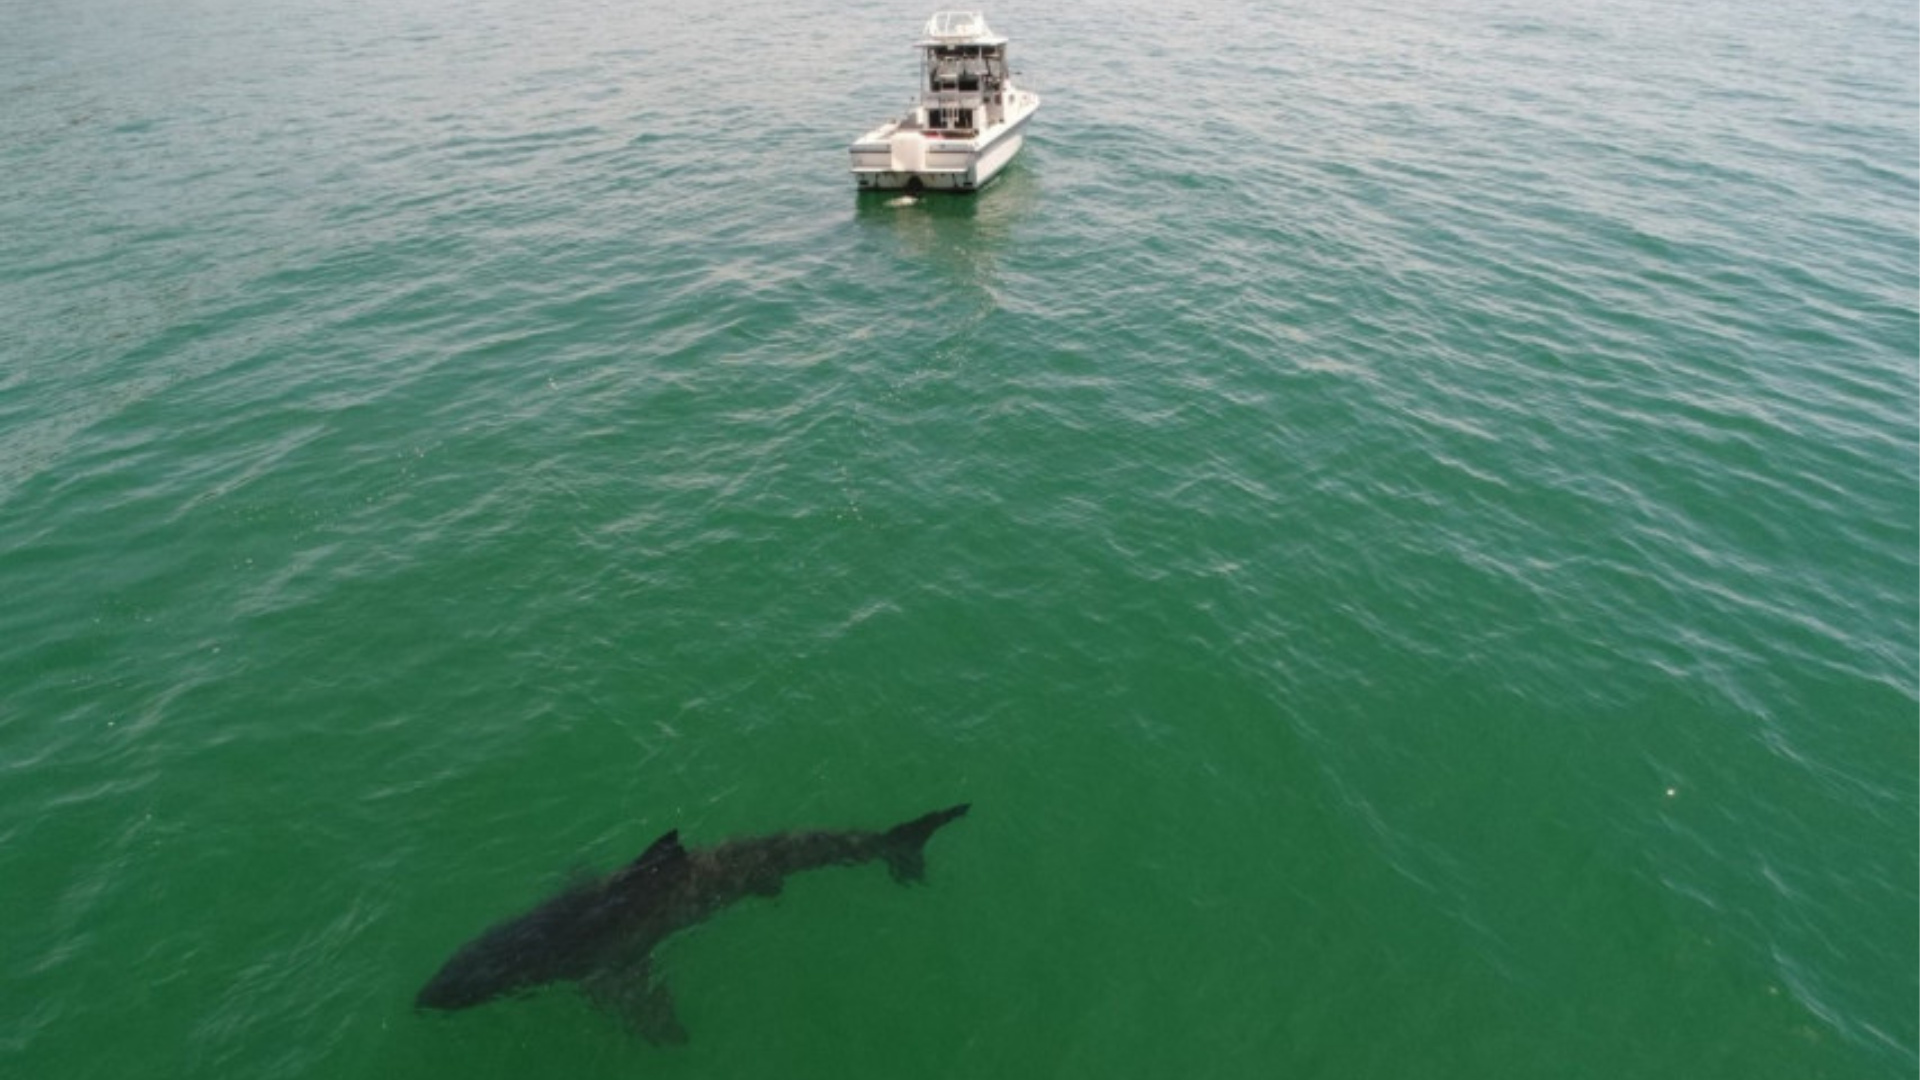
565 937
474 976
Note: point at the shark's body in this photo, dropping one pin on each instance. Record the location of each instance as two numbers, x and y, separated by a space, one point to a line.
601 933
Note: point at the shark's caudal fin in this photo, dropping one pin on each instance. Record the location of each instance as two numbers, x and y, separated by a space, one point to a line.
904 846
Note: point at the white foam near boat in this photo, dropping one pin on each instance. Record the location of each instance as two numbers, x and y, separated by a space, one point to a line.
967 122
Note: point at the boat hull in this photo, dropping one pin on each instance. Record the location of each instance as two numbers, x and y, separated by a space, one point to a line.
891 158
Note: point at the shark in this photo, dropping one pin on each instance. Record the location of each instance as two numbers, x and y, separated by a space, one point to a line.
600 933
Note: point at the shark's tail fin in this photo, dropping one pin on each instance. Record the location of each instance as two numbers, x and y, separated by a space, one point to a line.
904 846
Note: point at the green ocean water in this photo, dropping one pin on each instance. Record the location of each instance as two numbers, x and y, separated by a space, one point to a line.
1402 519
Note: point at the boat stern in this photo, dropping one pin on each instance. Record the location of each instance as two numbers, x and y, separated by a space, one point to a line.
892 159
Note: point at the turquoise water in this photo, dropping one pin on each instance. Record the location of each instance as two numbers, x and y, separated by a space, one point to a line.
1403 519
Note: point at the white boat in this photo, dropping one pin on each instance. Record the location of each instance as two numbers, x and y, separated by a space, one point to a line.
967 122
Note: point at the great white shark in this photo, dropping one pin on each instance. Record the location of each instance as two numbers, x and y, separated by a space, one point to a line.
601 933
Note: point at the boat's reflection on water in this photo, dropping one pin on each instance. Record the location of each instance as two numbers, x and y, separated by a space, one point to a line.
958 233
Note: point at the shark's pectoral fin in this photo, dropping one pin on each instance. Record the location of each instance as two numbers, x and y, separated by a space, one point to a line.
642 1002
653 1017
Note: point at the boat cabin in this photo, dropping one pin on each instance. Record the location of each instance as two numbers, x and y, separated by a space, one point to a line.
963 74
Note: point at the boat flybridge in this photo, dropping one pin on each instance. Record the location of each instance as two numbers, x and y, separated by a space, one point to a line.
967 122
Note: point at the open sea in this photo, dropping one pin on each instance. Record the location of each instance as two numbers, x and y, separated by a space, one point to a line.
1401 516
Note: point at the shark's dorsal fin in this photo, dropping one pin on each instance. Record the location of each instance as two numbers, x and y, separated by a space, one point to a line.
646 875
665 850
663 856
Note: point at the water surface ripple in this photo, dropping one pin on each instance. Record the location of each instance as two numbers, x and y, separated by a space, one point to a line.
1401 518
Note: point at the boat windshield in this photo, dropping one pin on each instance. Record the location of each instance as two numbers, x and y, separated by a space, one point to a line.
965 69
